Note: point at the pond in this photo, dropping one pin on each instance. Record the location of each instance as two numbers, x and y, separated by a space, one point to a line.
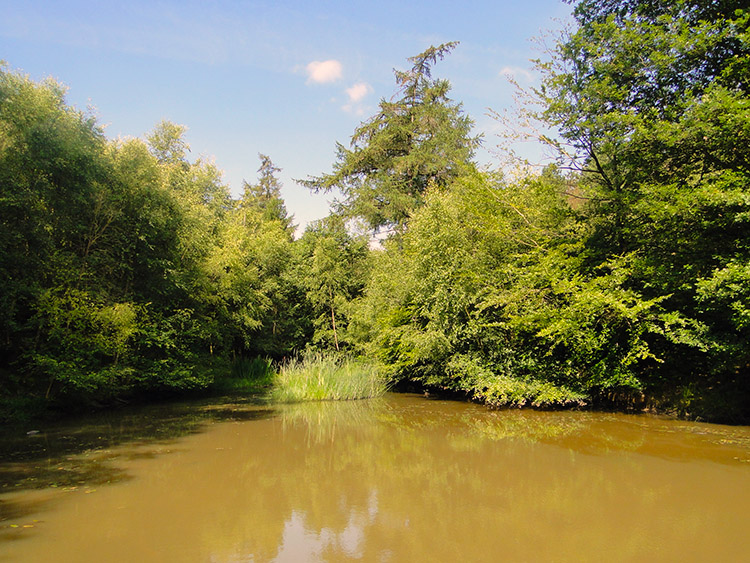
402 478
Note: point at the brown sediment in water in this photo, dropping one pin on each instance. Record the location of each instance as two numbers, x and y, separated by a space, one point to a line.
402 478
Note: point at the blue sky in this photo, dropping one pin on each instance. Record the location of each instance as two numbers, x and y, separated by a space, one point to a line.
288 79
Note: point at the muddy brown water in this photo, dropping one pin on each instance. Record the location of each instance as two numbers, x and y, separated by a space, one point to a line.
402 478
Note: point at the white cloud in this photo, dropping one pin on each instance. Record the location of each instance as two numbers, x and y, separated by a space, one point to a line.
517 73
354 109
324 71
358 91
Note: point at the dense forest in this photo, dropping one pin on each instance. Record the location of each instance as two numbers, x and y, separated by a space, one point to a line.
619 276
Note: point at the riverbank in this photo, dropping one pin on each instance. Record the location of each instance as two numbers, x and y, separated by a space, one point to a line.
331 377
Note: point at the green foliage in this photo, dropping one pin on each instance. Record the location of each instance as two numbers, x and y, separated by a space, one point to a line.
245 375
445 305
334 268
651 100
126 267
166 142
325 377
266 195
256 368
491 292
419 140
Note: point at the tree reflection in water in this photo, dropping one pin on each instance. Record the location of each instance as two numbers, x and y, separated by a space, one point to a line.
404 478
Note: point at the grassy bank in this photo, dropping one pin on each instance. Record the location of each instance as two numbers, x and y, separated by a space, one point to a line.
323 377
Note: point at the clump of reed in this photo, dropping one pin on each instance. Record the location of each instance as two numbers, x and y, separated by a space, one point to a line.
327 377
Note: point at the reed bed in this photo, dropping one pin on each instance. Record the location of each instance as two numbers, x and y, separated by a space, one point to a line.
322 377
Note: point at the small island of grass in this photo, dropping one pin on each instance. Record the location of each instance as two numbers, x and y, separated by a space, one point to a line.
324 377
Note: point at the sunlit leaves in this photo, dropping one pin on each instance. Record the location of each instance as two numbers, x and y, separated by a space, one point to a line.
420 140
652 98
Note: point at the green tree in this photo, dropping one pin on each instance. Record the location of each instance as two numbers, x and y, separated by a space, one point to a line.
167 143
257 301
420 139
104 253
651 100
266 195
124 266
457 303
334 272
53 212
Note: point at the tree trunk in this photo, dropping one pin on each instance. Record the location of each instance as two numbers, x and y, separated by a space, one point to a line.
333 321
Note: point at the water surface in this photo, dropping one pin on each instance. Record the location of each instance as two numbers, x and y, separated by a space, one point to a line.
401 478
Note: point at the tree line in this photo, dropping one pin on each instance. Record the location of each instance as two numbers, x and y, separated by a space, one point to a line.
126 268
620 275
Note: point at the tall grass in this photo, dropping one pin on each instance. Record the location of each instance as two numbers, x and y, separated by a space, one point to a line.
325 377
